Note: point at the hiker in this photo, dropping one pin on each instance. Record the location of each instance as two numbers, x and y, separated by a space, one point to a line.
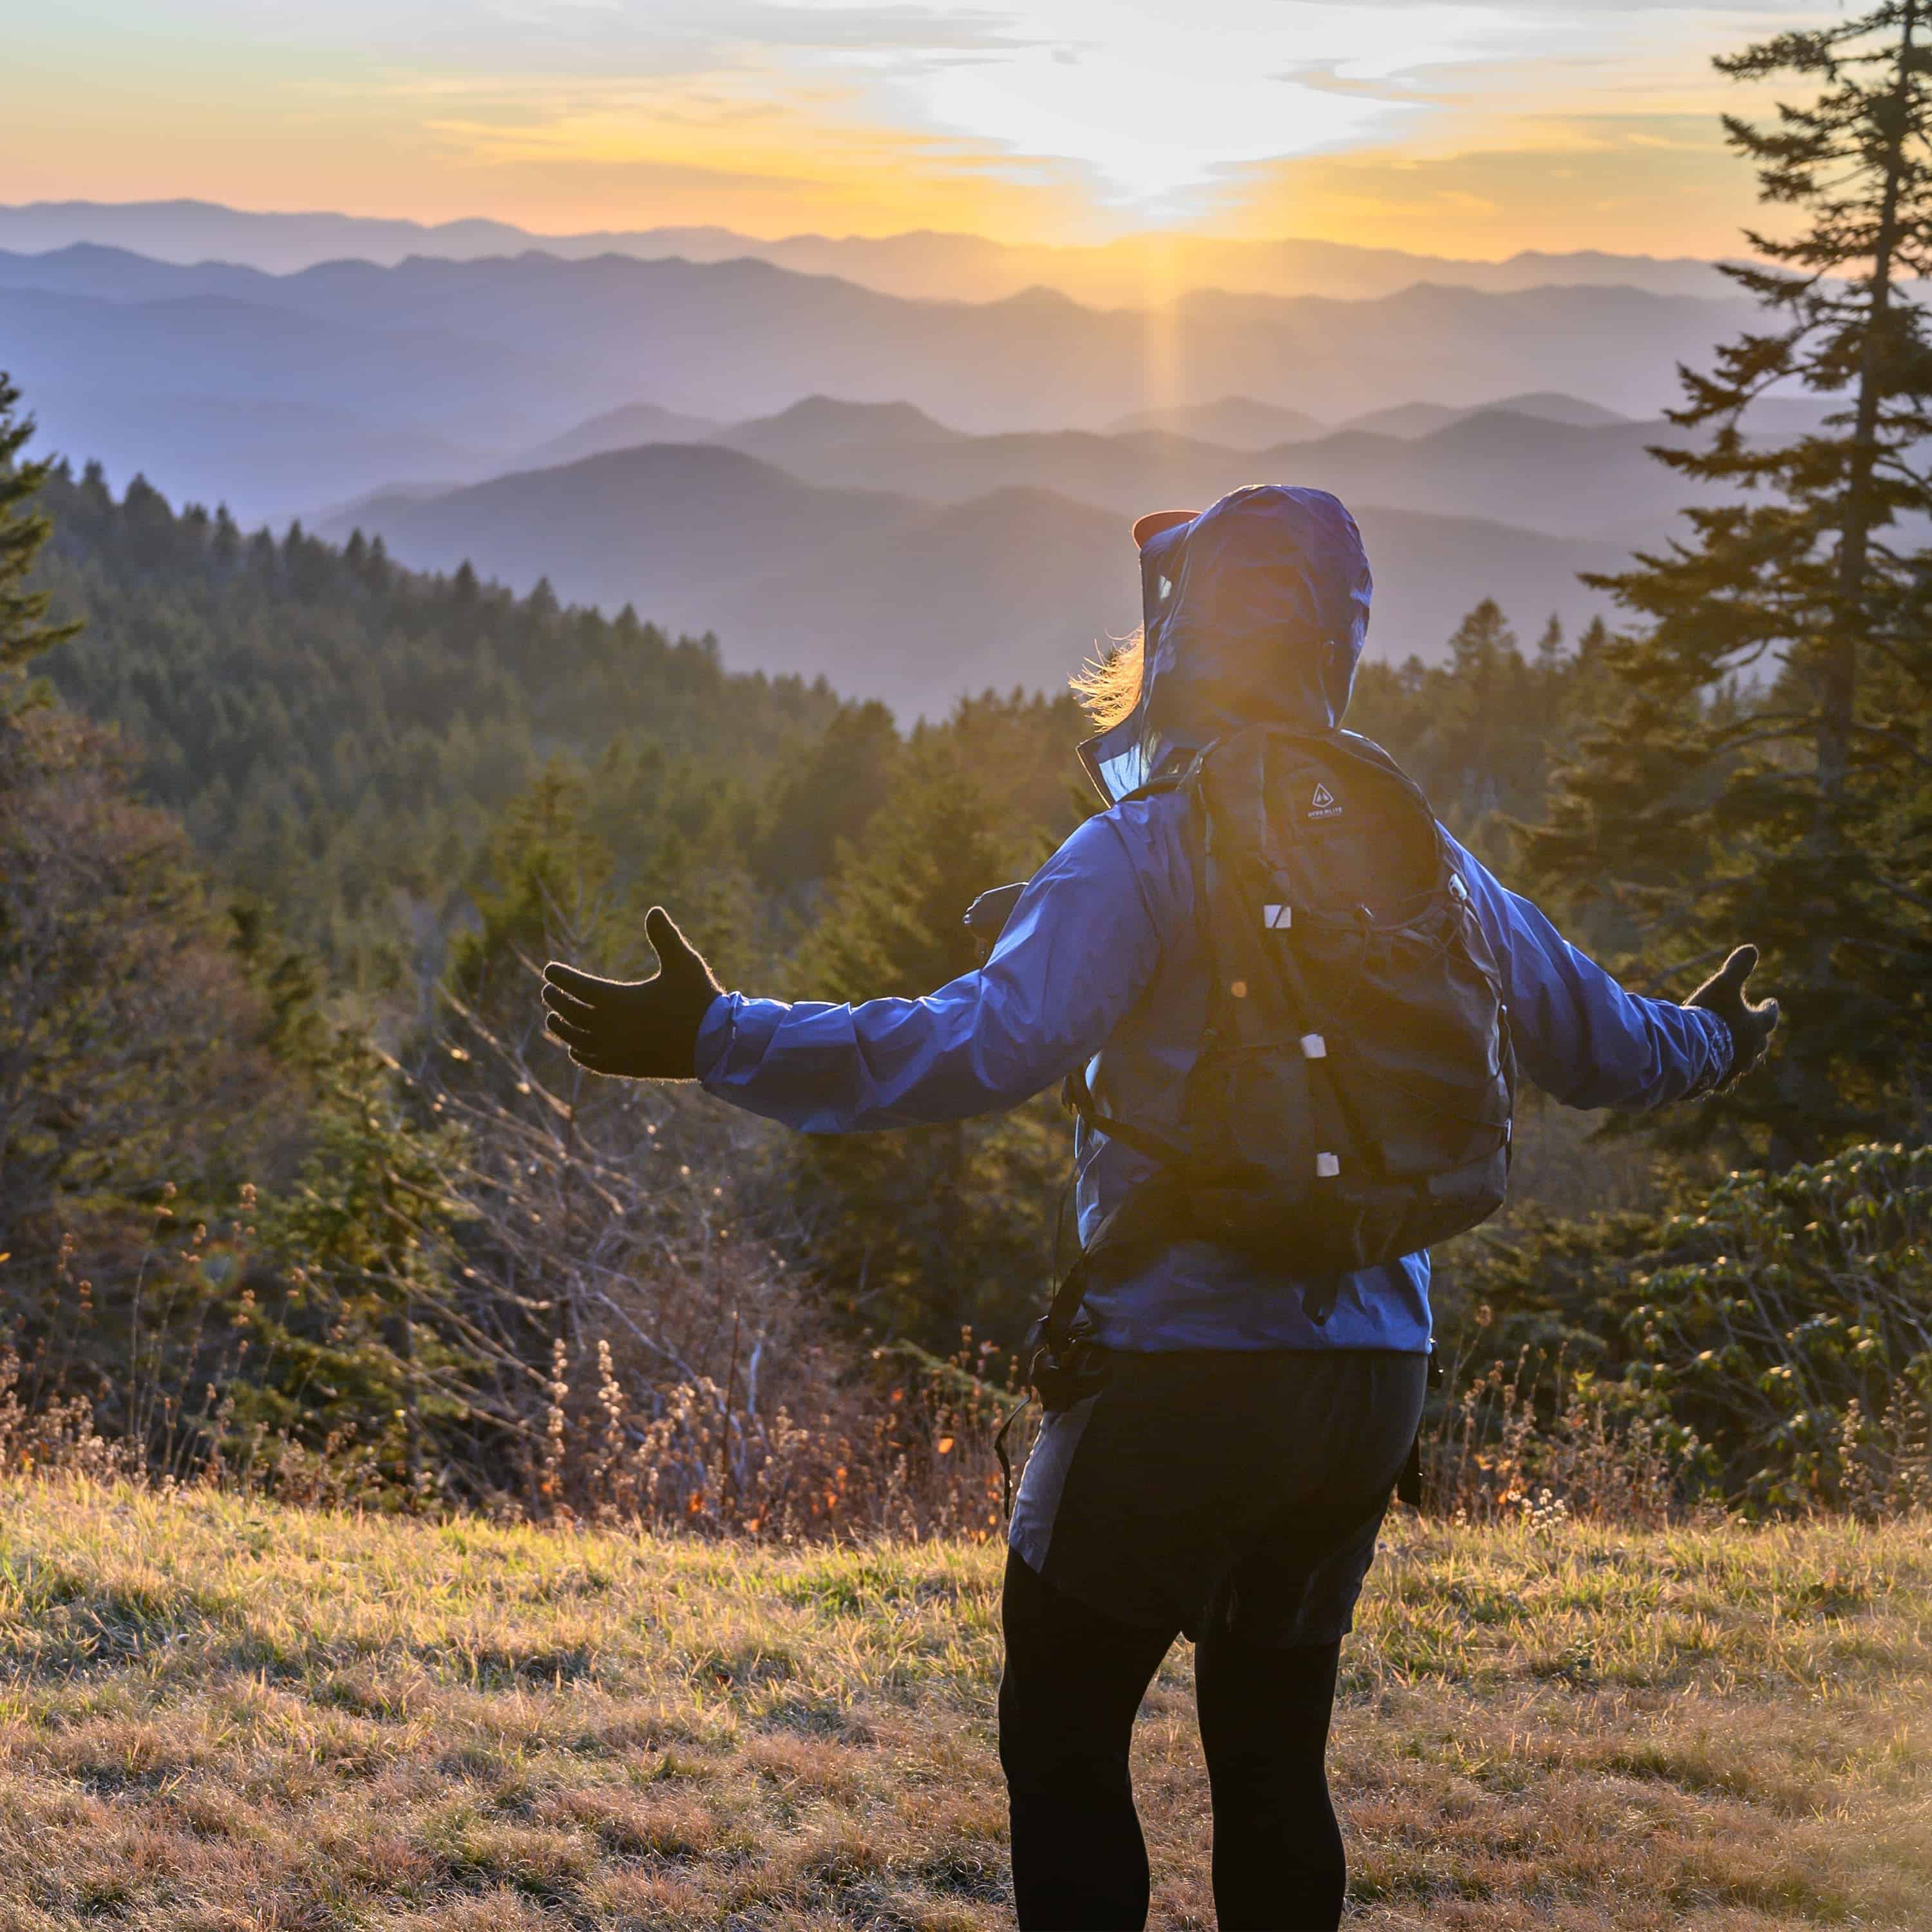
1223 1428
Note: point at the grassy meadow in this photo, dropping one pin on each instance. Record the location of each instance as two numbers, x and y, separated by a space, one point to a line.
218 1712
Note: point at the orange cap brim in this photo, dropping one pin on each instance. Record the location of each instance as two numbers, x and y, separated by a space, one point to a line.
1147 528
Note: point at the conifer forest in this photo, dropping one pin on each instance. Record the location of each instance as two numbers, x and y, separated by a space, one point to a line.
445 1488
293 1190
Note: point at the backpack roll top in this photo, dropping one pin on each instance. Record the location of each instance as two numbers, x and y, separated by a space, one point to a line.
1352 1099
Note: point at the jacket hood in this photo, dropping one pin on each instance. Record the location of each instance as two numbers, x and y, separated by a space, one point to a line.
1253 612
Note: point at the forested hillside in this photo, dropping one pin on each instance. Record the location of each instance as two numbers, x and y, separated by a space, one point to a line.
339 735
399 791
293 1179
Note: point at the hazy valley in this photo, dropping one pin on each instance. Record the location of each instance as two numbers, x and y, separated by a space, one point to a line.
1011 552
793 446
346 365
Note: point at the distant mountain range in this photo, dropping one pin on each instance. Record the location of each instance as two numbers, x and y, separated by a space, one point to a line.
892 594
279 393
1241 422
1233 422
622 428
1136 272
1539 472
916 497
1417 419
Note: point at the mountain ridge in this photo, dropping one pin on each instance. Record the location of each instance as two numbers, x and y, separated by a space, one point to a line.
916 262
893 596
136 362
1541 473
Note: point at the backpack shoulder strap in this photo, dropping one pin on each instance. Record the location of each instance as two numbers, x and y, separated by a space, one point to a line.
1175 777
1075 1094
1078 1096
1369 753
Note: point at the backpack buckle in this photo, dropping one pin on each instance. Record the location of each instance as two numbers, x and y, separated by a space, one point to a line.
1062 1373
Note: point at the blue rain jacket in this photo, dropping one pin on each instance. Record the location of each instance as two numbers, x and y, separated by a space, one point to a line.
1255 609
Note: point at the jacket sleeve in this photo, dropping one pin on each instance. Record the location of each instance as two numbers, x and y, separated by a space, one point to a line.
1582 1039
1080 947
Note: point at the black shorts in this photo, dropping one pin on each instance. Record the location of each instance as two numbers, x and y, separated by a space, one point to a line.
1244 1488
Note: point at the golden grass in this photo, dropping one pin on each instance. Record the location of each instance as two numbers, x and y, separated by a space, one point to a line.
217 1713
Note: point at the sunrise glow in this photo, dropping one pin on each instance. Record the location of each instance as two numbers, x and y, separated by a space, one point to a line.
1476 128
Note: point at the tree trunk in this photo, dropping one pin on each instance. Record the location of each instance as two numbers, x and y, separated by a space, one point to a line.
1838 671
1838 683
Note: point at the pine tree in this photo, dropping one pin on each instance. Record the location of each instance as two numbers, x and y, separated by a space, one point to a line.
354 1331
541 891
892 924
919 1231
1768 775
24 632
135 1094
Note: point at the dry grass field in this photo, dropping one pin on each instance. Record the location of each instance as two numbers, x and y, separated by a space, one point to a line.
217 1713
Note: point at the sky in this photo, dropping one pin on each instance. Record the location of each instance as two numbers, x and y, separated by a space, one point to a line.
1473 127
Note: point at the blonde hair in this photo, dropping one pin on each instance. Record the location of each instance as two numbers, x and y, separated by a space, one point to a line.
1108 685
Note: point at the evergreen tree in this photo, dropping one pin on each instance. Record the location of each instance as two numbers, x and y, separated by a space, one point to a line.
1479 734
24 632
354 1328
892 924
1796 811
826 792
542 892
918 1232
137 1092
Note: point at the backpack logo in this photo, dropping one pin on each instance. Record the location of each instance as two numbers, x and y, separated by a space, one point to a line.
1323 805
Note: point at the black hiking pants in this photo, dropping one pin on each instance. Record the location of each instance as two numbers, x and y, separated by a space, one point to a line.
1234 1498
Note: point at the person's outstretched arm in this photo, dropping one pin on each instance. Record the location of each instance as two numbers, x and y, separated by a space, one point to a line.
1586 1042
1077 951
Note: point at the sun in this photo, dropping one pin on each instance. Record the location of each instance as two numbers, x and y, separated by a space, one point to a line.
1155 116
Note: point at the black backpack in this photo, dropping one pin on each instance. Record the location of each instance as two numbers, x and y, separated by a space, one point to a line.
1352 1099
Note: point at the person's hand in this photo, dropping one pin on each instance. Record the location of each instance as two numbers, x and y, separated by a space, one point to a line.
1751 1023
641 1029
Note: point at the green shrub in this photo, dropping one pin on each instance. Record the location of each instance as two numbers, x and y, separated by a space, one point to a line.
1786 1322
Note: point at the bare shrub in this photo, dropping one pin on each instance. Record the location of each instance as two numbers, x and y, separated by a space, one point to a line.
57 1436
1542 1441
846 1455
631 1240
1885 1462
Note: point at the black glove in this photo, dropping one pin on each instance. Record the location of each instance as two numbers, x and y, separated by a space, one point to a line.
1751 1026
642 1029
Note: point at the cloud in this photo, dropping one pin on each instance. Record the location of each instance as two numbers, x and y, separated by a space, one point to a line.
1058 119
1648 183
665 37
